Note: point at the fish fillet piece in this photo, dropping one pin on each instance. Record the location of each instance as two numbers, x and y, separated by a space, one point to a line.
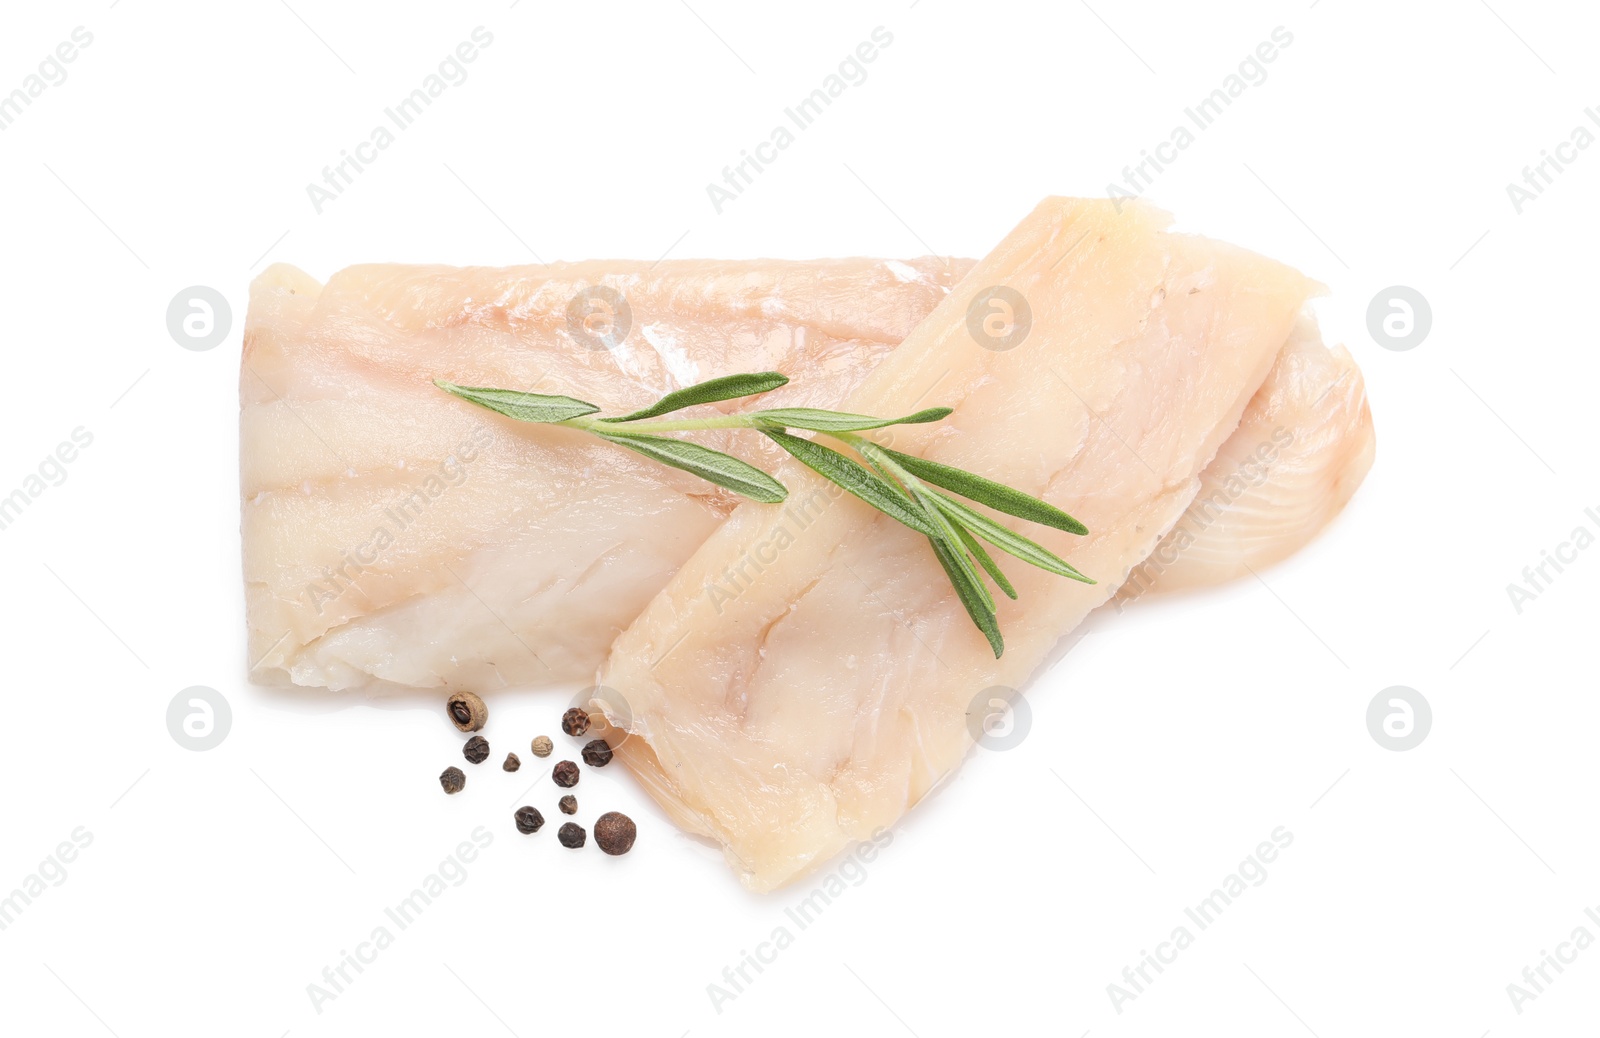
1303 447
809 674
394 536
340 465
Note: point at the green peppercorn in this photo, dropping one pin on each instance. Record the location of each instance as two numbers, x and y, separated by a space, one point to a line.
542 746
575 721
615 832
528 820
565 774
453 780
597 753
571 835
569 804
477 749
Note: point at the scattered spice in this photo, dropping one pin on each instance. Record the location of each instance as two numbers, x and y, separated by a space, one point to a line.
615 832
528 820
575 721
467 711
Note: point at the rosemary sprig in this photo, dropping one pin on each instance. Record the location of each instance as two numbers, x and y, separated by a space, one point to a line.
901 486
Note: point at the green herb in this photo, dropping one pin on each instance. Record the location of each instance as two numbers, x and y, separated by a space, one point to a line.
837 421
728 387
899 485
524 407
712 466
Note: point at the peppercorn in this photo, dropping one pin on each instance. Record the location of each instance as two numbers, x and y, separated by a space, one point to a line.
528 820
542 746
565 774
467 711
597 753
453 780
575 721
512 762
615 832
477 749
571 835
569 804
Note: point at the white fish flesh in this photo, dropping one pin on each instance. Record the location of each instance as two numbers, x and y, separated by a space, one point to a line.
830 687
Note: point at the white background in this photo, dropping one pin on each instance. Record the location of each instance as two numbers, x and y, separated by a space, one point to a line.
1173 738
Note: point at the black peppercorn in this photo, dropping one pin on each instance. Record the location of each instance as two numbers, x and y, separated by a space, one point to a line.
513 762
569 805
597 753
467 711
565 774
528 820
615 832
476 749
571 835
575 721
453 780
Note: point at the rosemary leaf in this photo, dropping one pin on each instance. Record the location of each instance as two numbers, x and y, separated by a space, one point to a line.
1006 539
950 537
524 407
818 420
722 469
986 560
852 476
726 388
988 492
972 597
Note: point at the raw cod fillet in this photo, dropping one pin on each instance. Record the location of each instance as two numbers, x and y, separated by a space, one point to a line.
394 536
808 704
1303 447
1300 453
